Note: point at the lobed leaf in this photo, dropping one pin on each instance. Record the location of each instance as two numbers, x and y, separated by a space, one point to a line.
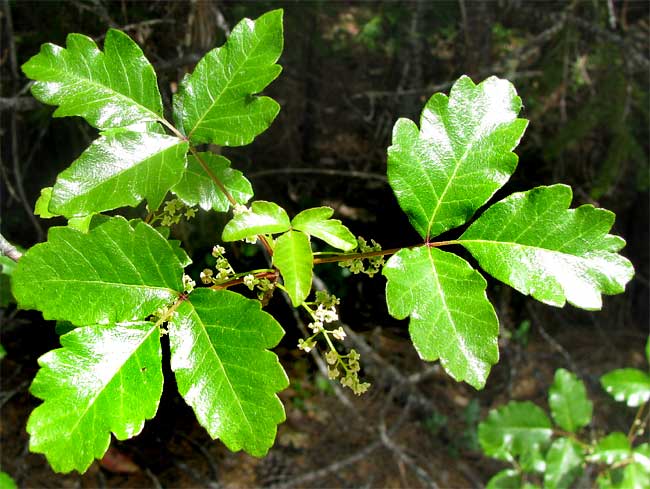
534 243
564 462
570 407
120 168
451 316
111 274
262 218
219 341
109 89
317 222
197 185
293 256
217 103
627 385
460 156
514 429
104 379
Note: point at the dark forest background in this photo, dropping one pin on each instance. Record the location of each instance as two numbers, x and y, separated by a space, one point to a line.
351 69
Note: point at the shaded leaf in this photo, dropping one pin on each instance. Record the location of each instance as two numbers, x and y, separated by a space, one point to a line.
262 218
293 256
119 169
506 479
105 379
316 222
534 243
451 317
114 88
216 103
111 274
564 464
219 341
6 481
627 385
570 407
460 156
198 188
513 429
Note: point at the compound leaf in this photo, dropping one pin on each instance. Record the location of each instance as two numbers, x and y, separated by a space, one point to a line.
514 429
460 156
570 407
293 256
118 169
219 341
109 89
198 187
216 104
451 316
262 218
317 222
534 243
111 274
563 464
627 385
105 379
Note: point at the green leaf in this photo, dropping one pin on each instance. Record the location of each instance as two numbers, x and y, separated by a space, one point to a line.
217 103
3 352
293 257
262 218
534 243
198 188
105 379
317 222
219 341
451 316
7 267
564 462
111 274
506 479
635 476
612 449
570 407
513 429
460 156
642 455
627 385
118 169
114 88
42 206
6 481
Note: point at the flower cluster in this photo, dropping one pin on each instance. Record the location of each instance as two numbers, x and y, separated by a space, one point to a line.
222 268
344 367
374 263
172 213
263 285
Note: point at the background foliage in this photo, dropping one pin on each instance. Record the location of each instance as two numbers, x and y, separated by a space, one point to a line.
350 70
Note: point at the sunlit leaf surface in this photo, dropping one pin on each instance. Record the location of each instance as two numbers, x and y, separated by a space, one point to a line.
219 352
534 243
316 222
104 379
628 385
262 218
293 257
570 407
564 464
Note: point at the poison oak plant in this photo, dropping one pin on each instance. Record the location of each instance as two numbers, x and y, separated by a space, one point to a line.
118 285
556 454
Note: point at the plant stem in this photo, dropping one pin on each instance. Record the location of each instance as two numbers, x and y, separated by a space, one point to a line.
370 254
9 250
631 435
267 273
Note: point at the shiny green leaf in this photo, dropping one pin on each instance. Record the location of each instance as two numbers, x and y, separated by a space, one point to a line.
111 274
612 449
570 407
564 462
217 103
451 316
262 218
506 479
197 186
460 156
635 476
293 257
105 379
513 429
316 222
42 206
6 481
114 88
534 243
120 168
627 385
219 344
